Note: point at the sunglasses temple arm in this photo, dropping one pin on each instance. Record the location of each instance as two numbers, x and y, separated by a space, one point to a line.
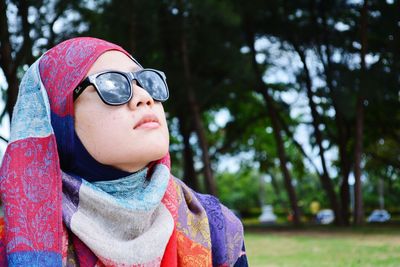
81 87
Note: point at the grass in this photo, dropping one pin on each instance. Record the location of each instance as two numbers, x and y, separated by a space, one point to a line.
323 246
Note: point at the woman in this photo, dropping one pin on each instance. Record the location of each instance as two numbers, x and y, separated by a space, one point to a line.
85 180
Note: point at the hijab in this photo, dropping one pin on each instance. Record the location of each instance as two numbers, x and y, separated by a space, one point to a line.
60 213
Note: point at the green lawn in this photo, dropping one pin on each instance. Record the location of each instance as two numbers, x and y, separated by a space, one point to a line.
368 246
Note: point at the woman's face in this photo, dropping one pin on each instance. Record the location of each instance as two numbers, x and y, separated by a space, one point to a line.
114 135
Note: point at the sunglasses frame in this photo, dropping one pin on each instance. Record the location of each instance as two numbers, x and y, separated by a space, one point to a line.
130 76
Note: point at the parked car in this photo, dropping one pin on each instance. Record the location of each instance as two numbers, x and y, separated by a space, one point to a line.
325 216
267 216
379 216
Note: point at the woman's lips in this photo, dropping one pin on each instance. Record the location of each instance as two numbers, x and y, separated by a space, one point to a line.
148 125
148 121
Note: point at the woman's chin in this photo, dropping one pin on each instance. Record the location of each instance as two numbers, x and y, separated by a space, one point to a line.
145 159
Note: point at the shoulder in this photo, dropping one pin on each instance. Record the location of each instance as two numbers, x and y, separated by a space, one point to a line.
217 212
226 229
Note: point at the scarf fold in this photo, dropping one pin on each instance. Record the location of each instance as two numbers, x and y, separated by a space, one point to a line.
53 218
114 218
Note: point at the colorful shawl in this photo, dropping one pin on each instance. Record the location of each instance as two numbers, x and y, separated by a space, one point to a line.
54 218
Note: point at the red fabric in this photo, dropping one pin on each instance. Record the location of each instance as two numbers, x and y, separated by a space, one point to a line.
3 256
170 200
170 257
85 256
31 194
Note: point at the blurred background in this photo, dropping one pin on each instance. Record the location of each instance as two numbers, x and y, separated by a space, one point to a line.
288 111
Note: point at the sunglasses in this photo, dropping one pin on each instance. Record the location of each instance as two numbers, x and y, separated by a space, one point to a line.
115 87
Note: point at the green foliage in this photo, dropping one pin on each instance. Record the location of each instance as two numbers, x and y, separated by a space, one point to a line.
240 190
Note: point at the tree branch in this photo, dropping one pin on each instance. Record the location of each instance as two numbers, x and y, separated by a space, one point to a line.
385 160
296 143
26 49
51 40
5 48
4 139
3 113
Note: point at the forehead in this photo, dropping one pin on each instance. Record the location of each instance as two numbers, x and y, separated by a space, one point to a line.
113 60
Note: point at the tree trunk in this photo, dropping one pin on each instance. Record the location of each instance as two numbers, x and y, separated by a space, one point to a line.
189 176
343 132
282 157
324 177
358 200
25 52
195 110
132 27
261 88
345 166
199 128
7 62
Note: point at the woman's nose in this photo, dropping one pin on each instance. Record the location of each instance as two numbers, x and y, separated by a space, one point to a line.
140 97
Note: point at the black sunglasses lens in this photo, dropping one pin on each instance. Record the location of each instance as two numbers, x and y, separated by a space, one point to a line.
114 88
154 84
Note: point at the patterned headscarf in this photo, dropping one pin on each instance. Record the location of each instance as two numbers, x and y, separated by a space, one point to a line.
55 218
